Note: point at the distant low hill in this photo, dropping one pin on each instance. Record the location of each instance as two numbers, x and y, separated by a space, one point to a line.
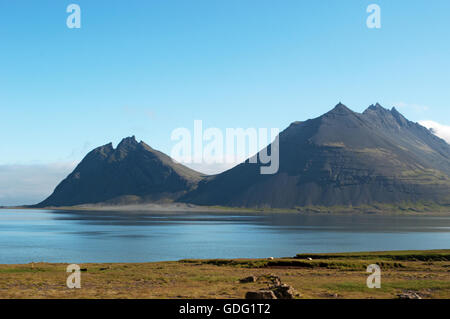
339 158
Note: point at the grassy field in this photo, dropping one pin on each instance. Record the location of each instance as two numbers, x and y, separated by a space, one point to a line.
426 273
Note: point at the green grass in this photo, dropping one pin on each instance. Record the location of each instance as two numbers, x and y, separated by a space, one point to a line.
13 270
400 208
407 255
417 284
296 263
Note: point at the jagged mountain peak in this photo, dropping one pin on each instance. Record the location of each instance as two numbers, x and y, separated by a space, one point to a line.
376 108
132 169
383 117
340 109
127 143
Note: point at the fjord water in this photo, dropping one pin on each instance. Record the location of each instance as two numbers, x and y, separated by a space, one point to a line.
88 236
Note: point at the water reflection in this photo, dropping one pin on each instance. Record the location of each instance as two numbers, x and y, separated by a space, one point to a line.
68 236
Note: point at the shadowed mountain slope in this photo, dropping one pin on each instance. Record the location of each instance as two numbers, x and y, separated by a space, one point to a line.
340 158
131 172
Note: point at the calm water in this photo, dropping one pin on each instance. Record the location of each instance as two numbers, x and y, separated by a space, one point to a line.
75 237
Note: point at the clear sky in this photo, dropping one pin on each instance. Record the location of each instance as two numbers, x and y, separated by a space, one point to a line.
145 68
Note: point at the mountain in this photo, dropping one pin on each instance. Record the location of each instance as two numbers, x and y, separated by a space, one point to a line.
340 158
133 172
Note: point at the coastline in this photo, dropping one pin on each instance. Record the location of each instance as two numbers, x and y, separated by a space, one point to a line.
403 209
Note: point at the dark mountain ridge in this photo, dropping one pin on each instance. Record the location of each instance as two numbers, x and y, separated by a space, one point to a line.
132 171
340 158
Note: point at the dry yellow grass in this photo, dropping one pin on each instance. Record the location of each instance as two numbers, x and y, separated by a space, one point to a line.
323 277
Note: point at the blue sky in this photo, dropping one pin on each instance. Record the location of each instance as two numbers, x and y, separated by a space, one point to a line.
145 68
